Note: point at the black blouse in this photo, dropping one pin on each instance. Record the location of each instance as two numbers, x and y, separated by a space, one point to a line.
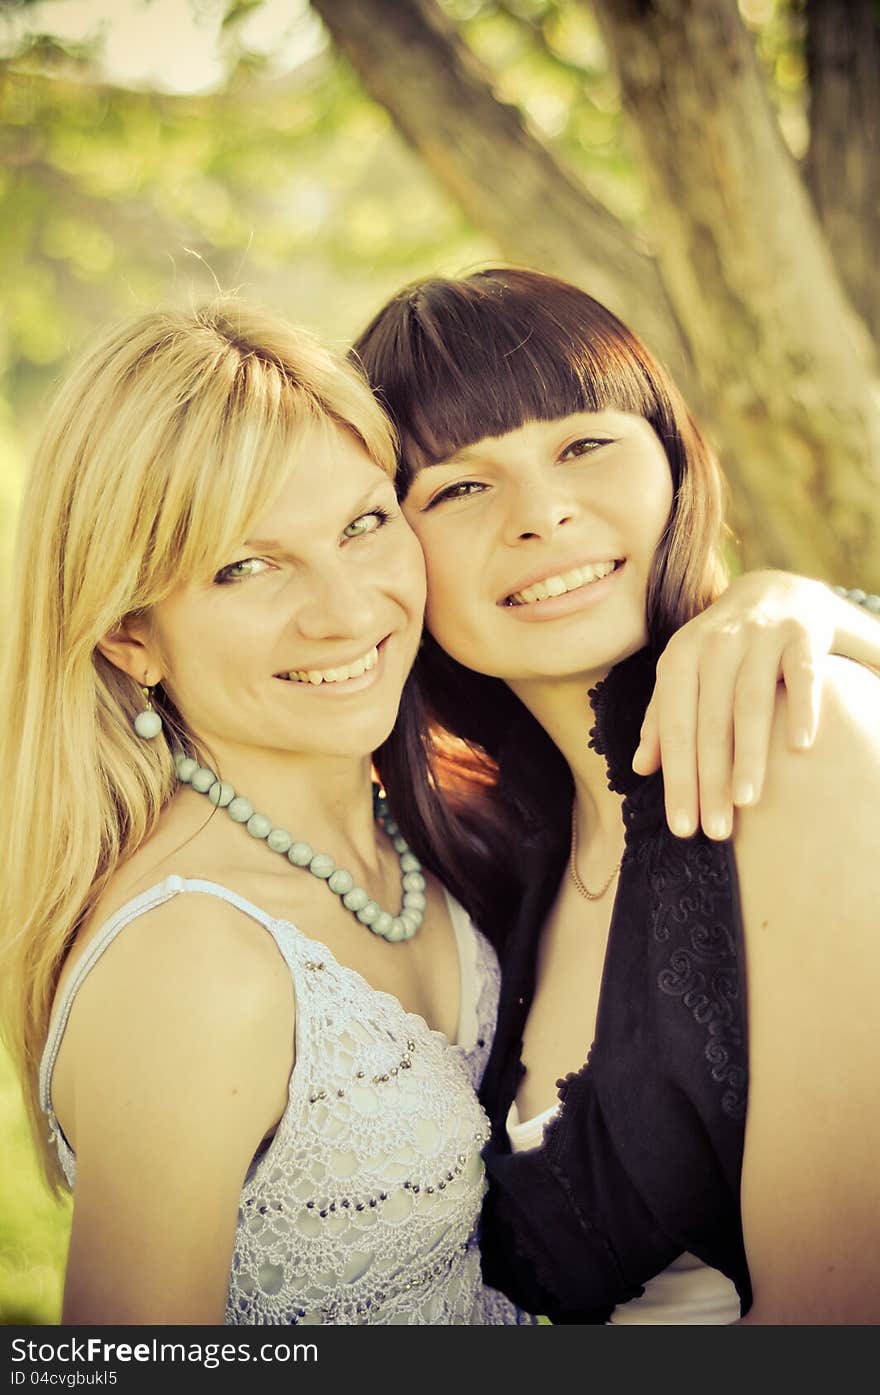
643 1161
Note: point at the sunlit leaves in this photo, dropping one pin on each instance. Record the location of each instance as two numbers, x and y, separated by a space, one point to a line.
239 10
289 183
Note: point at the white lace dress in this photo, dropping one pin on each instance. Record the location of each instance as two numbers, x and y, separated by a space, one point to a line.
364 1207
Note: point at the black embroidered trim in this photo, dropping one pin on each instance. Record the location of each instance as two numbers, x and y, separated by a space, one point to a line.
564 1085
628 1290
691 889
619 701
693 900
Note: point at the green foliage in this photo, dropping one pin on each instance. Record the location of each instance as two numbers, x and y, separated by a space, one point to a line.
104 188
33 1228
238 11
293 185
293 189
547 56
779 28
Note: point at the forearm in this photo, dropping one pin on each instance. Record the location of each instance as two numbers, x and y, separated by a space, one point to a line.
857 633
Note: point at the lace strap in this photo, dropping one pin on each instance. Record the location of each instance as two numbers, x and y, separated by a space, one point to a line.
469 973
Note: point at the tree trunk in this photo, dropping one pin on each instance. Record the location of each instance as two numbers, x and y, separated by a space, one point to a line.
786 365
411 59
785 370
843 161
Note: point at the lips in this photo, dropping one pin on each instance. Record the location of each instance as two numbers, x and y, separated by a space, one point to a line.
560 583
340 674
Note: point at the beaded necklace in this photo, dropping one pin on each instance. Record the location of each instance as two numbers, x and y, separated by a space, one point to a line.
394 928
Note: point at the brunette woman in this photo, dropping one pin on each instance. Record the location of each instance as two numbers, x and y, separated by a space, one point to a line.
665 1147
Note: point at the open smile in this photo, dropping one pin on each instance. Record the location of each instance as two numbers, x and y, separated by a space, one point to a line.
561 583
340 673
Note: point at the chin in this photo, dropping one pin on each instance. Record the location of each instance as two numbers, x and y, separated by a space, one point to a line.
602 652
624 652
587 663
359 739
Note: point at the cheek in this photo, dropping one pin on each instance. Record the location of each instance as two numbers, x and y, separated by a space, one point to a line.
450 614
417 581
442 594
194 682
655 494
198 643
664 510
403 566
171 625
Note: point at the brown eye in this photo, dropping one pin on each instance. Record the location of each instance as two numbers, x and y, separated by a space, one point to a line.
585 446
461 490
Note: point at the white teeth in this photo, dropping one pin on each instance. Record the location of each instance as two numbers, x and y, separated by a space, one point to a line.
559 585
317 676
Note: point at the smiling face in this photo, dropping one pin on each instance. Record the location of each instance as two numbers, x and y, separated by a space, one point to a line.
539 544
303 640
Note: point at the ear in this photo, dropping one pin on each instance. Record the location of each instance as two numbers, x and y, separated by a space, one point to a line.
132 648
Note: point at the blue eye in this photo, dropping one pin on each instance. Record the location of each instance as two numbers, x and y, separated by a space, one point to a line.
367 523
238 571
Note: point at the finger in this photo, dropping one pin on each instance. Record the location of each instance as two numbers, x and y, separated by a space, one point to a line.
753 708
647 757
675 698
802 675
717 684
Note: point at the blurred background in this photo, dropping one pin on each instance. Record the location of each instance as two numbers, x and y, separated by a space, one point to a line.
708 168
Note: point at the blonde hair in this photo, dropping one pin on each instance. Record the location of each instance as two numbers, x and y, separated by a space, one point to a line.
169 438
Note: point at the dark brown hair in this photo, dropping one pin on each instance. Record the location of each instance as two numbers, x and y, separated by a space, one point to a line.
454 361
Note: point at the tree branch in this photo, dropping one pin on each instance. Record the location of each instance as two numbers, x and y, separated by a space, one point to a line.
411 59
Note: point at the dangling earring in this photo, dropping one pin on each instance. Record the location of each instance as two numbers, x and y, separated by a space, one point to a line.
148 723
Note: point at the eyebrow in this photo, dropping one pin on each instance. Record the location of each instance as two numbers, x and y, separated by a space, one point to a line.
273 544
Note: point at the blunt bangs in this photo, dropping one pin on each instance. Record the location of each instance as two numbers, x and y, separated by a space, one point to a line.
456 361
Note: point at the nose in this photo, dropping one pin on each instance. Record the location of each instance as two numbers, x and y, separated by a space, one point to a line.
540 504
336 605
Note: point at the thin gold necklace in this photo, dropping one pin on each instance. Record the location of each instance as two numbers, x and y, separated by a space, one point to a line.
572 866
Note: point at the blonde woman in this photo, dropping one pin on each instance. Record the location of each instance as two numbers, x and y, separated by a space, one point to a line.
258 1061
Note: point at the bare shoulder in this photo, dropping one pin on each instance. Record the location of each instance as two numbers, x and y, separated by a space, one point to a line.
809 875
189 937
190 1007
849 727
809 880
823 800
